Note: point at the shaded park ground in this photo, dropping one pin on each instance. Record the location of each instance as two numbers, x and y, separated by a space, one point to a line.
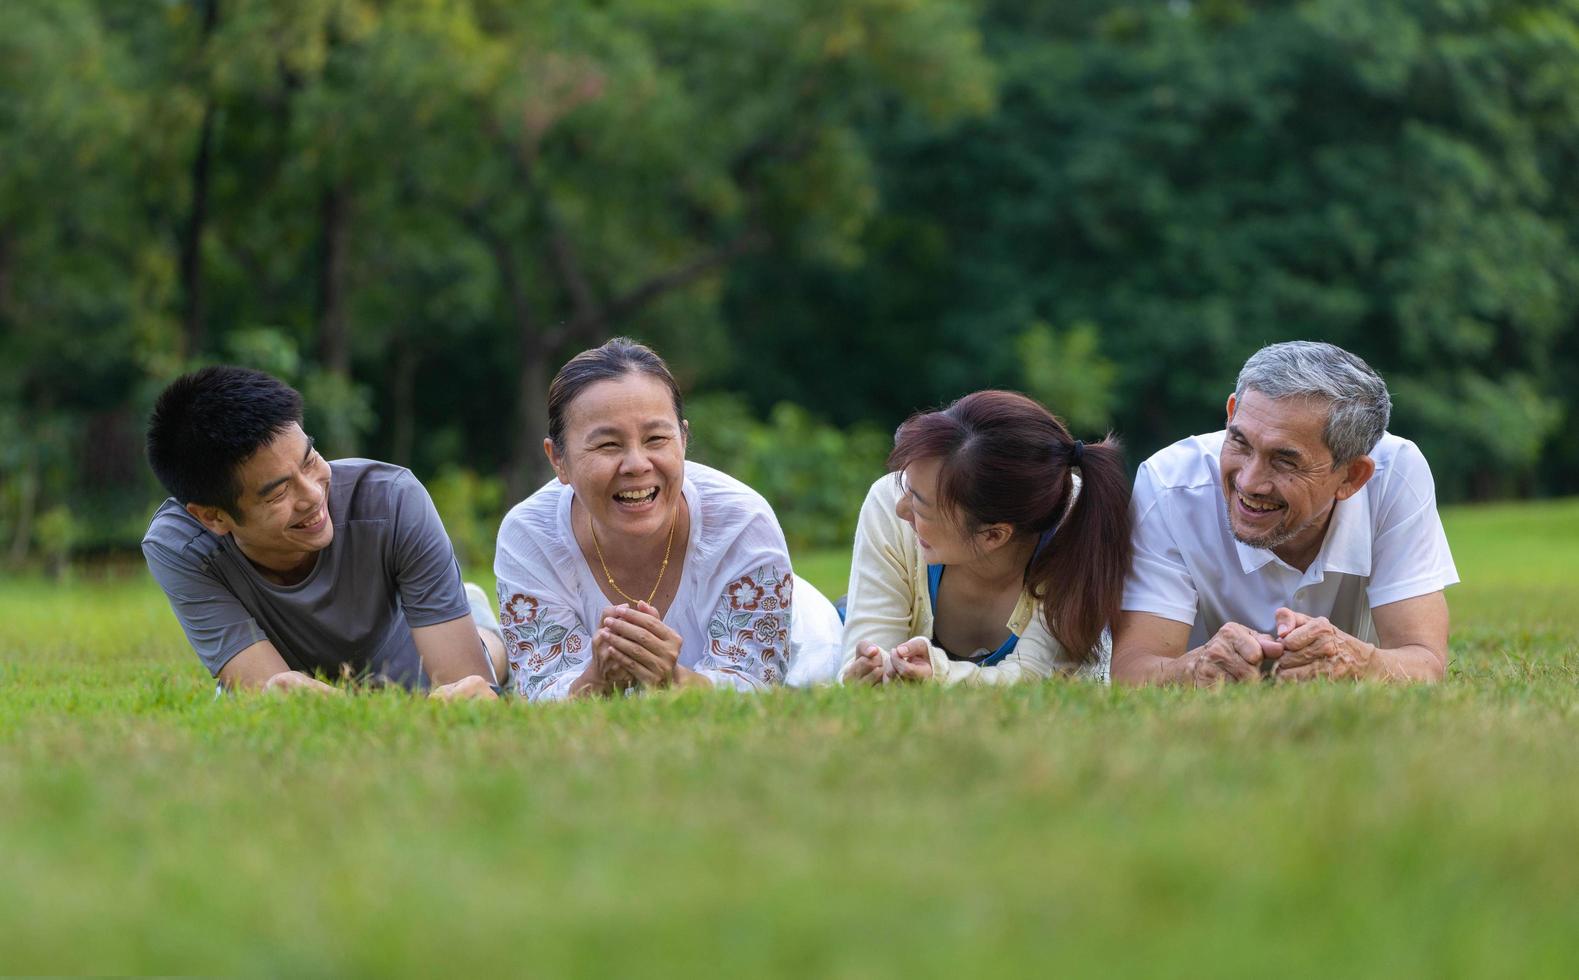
1325 830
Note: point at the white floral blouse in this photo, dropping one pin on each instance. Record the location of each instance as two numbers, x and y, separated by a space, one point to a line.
732 611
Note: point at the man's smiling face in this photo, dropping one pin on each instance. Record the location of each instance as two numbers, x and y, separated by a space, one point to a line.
1279 483
281 518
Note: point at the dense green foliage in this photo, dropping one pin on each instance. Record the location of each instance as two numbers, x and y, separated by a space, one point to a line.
1323 831
1188 181
415 209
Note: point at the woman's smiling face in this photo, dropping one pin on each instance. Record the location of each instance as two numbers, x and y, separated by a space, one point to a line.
624 454
943 540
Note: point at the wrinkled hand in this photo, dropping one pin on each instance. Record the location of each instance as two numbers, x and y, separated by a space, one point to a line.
605 671
642 644
611 668
1313 647
292 681
867 667
912 660
470 688
1233 655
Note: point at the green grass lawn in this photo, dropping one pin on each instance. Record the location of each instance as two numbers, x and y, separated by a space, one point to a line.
1056 828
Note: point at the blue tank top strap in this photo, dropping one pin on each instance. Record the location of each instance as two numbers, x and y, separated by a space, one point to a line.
935 575
1008 645
1042 543
1003 651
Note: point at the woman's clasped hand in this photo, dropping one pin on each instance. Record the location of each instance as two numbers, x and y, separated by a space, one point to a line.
910 661
633 647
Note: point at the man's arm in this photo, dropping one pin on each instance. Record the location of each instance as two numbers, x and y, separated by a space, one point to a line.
1150 649
432 594
261 668
1414 638
1146 648
1413 634
453 653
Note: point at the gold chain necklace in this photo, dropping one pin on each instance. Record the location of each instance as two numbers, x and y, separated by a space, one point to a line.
662 569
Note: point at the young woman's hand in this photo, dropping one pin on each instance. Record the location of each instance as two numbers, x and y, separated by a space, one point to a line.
867 667
912 660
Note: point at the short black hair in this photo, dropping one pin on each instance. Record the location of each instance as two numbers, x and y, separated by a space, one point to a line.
207 423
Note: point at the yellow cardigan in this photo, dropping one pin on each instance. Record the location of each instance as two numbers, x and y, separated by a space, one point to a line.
888 604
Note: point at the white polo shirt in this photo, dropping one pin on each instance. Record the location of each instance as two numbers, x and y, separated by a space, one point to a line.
1384 544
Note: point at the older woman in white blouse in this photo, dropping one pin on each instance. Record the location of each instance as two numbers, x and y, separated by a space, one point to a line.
637 568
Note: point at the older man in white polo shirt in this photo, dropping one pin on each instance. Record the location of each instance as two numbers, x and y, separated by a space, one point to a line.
1301 542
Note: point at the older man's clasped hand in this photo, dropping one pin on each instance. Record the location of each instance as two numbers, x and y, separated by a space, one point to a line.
1235 654
1300 648
1314 648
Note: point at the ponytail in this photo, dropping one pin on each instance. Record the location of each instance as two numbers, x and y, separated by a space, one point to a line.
1006 459
1079 576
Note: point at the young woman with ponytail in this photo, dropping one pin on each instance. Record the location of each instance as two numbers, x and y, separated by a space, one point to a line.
994 551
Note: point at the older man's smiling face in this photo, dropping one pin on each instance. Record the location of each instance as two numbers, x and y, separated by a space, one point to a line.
1279 483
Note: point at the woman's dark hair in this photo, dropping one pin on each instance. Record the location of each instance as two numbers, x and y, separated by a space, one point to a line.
1006 459
615 359
207 423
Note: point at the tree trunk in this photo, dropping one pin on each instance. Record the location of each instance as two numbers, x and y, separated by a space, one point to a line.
402 393
528 466
192 316
7 246
193 327
27 507
334 334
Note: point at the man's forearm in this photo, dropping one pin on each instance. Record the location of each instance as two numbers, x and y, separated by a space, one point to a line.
1141 669
1407 664
451 651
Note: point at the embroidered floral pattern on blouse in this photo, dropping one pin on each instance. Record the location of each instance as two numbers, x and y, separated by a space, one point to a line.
748 633
536 643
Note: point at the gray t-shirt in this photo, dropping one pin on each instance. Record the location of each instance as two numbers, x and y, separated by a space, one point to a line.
390 567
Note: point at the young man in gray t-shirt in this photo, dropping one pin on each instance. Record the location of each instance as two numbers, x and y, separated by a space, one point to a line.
281 565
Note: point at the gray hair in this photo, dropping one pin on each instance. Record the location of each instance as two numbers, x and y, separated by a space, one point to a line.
1359 405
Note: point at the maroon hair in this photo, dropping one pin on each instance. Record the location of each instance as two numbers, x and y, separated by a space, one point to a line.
1004 459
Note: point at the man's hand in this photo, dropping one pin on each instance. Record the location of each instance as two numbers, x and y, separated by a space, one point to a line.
912 660
291 681
1234 655
1313 647
473 688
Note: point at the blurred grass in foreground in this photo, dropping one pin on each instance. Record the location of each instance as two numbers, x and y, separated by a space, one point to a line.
1052 828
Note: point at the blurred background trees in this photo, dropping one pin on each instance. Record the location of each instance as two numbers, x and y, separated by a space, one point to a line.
826 214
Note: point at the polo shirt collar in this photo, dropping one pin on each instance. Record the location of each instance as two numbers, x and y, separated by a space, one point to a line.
1347 550
1252 559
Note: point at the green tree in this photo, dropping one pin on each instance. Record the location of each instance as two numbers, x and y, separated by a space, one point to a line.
1195 180
78 285
625 154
